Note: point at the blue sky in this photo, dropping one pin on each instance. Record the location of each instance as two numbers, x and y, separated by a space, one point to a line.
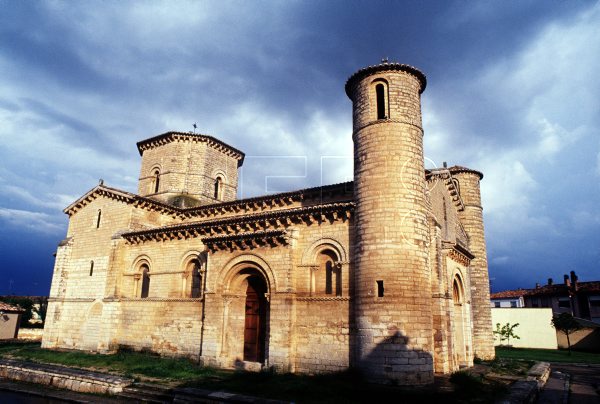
512 91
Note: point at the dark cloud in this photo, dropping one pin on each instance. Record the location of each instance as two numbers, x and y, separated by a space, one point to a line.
511 91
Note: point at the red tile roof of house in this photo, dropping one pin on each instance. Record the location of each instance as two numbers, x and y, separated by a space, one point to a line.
559 289
507 294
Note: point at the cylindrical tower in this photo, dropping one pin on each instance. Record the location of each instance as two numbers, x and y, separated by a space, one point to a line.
472 219
392 300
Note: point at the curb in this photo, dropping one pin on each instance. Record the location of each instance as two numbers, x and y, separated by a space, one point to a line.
526 390
116 387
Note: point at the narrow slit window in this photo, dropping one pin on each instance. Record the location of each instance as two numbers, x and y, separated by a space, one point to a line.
381 107
145 282
329 278
156 181
380 289
98 218
196 286
219 188
91 268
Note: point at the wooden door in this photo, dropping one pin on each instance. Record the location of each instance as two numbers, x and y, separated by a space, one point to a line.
254 329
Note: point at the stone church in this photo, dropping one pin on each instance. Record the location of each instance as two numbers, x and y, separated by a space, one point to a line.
386 274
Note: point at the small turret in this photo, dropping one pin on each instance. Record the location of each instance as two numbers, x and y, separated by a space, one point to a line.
472 219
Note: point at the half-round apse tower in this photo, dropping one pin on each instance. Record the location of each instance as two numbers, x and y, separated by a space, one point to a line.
393 306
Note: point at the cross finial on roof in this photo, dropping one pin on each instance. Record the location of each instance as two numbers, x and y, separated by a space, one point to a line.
384 60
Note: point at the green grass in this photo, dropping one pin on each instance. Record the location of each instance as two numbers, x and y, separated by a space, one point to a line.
133 364
547 355
344 387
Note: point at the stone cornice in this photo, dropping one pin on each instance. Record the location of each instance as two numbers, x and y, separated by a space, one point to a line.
344 189
246 224
122 196
384 67
323 298
211 141
444 176
245 241
458 253
387 121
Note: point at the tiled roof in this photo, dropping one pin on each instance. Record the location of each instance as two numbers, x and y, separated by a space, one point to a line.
174 136
383 67
152 204
559 289
593 286
461 169
10 308
547 290
507 294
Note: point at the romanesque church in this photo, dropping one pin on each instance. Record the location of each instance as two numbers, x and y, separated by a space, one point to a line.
386 274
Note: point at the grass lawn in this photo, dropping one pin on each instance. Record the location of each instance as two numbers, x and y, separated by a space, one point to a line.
547 355
344 387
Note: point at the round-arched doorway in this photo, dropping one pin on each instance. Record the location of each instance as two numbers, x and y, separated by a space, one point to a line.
255 319
246 316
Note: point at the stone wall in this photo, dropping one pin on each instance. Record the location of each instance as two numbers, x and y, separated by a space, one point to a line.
322 332
169 327
187 167
9 325
534 330
31 334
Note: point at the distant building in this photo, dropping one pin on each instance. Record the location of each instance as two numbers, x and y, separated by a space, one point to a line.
39 304
581 299
508 298
10 317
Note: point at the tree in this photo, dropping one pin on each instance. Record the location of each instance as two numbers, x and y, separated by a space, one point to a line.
506 332
498 332
566 324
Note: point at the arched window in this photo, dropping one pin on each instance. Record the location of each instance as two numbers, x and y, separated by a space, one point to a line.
145 280
98 218
457 292
381 104
156 180
219 188
194 267
91 268
329 279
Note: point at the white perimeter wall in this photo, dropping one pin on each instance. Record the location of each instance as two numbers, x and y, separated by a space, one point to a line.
534 327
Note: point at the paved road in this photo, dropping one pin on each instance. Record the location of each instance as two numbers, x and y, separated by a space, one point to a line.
585 382
12 392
